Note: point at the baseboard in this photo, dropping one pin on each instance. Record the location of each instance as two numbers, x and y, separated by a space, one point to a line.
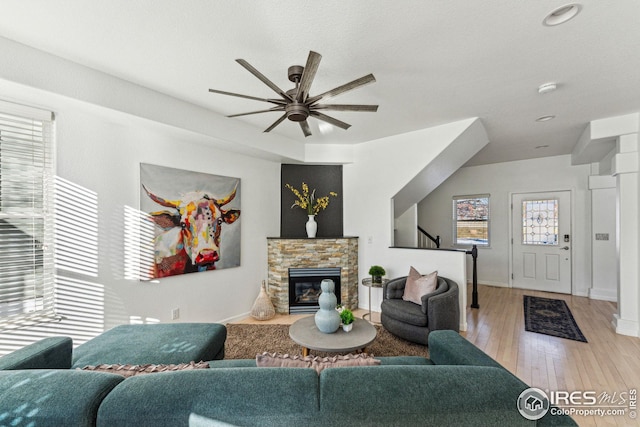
490 283
603 294
625 327
235 318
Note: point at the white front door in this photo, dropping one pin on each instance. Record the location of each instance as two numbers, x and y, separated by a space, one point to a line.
541 241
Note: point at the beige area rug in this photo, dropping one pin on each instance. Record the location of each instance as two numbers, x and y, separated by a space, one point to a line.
245 341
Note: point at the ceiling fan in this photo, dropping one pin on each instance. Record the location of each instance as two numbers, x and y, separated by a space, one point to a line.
296 103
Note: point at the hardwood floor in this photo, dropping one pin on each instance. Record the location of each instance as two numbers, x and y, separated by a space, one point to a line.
608 363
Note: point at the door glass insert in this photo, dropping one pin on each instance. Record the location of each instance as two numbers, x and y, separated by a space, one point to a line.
540 222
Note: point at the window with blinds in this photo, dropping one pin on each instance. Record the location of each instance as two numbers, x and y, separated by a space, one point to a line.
471 220
26 216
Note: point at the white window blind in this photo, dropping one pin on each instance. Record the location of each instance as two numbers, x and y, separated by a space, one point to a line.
26 216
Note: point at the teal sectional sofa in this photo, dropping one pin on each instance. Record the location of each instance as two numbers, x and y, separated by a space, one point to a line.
459 385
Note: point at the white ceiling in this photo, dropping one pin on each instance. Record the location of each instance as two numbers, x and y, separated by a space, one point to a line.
435 61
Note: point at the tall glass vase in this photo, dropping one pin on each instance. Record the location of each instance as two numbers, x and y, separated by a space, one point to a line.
312 226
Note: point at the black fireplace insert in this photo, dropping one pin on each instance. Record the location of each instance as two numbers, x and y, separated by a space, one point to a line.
304 287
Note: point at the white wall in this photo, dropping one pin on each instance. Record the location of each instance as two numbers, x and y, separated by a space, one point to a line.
381 168
604 260
405 228
500 180
105 157
106 127
100 151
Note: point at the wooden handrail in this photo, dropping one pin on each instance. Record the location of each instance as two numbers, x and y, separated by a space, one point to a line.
435 240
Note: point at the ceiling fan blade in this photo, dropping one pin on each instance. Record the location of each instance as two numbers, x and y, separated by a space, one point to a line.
309 73
273 101
264 80
258 112
344 88
345 107
330 120
276 123
304 125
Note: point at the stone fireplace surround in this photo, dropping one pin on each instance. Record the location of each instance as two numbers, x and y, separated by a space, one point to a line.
286 253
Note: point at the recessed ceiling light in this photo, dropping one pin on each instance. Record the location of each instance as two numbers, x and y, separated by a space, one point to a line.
546 88
545 118
562 14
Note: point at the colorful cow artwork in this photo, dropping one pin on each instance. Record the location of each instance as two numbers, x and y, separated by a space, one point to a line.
188 234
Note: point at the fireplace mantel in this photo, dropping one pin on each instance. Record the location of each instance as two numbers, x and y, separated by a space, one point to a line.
326 252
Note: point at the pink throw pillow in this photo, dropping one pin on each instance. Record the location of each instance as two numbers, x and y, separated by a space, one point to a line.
418 285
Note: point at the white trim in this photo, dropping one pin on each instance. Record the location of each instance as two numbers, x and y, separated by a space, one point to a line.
492 283
603 294
236 318
625 327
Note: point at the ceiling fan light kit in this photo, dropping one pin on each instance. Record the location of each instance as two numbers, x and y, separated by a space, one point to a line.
296 104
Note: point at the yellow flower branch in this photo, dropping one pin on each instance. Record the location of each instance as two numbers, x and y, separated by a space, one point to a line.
309 202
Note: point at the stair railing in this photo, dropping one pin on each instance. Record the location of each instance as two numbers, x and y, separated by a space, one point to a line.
427 241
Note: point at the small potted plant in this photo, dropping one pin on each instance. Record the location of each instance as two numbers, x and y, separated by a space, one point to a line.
376 273
347 318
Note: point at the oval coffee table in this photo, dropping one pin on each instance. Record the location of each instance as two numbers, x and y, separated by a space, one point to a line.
306 333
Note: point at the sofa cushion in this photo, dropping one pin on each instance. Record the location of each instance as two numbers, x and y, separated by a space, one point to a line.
450 348
404 360
236 396
418 285
55 398
420 395
48 353
404 311
162 343
318 363
133 370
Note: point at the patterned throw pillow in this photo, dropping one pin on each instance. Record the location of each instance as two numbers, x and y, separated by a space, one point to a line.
132 370
418 285
271 360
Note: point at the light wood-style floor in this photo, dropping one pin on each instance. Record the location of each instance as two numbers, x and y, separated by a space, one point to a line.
607 363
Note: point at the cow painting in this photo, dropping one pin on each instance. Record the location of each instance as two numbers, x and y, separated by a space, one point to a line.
188 231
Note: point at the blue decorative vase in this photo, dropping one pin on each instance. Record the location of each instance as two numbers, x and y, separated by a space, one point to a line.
327 318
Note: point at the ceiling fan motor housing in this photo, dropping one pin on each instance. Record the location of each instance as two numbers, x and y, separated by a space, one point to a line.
296 111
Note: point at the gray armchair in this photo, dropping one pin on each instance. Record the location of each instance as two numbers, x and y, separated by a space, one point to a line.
413 322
